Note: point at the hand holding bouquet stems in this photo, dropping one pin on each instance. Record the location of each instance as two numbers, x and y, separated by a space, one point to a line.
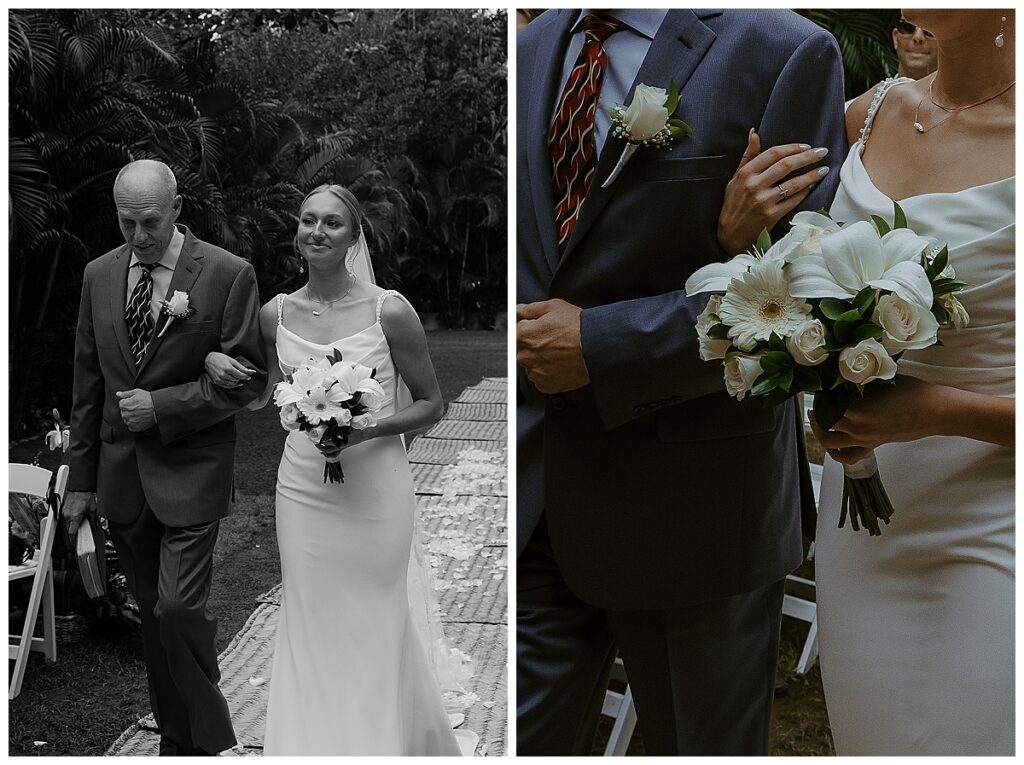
828 309
333 402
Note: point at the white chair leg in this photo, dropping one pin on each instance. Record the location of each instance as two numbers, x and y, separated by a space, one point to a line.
49 647
622 731
810 652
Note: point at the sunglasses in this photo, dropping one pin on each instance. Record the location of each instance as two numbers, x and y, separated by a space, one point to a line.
904 27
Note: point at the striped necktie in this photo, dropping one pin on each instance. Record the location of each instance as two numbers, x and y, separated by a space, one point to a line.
138 314
572 132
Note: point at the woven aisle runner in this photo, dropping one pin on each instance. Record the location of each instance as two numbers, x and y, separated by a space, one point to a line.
460 468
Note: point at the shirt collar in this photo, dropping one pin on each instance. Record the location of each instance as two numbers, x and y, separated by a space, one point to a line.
644 21
170 257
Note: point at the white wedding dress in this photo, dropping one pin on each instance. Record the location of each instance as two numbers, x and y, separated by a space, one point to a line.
351 675
917 626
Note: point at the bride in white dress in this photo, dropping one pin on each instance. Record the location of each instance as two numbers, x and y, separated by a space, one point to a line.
916 627
351 674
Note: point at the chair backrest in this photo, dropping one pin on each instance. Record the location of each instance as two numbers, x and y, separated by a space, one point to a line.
30 479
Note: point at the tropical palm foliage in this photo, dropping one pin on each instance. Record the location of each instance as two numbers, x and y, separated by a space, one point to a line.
91 90
864 37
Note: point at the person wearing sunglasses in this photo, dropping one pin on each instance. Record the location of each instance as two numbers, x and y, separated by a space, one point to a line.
915 50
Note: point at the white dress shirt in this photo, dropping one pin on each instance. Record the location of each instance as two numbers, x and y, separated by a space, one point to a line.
161 274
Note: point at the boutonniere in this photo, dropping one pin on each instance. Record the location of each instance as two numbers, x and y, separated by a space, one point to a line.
647 121
176 308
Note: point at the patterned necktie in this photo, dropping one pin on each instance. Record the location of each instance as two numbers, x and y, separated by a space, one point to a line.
138 313
572 132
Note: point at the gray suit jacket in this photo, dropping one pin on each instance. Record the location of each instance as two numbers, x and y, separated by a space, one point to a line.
658 489
183 466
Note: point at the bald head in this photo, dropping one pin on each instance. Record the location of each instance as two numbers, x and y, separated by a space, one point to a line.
146 196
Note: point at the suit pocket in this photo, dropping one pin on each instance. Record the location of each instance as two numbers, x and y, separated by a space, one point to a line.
222 433
717 417
687 169
106 432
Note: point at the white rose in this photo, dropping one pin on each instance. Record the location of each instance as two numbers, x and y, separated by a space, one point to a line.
958 316
740 373
710 348
646 114
866 361
807 344
178 304
290 417
907 325
343 416
364 421
316 433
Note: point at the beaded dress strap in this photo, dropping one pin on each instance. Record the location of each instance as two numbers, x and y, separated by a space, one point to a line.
884 87
380 300
280 309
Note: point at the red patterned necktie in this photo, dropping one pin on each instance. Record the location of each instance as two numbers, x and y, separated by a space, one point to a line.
572 132
138 314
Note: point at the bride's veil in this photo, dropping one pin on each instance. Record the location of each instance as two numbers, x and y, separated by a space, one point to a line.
449 665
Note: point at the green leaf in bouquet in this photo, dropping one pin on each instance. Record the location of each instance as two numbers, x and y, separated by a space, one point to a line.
763 385
939 262
940 313
775 361
943 286
764 240
865 301
806 379
881 225
826 213
899 219
718 332
776 343
830 406
784 379
833 308
844 326
866 332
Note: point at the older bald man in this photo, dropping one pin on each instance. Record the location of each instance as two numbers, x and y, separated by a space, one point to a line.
152 439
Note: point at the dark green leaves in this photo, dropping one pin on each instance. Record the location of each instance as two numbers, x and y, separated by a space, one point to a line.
764 240
830 405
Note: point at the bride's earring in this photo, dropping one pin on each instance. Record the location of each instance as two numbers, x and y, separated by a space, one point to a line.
302 266
999 37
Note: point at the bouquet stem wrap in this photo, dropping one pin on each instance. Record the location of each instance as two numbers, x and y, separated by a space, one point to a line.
864 496
333 471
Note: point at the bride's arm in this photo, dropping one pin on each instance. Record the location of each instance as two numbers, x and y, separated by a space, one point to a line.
412 361
227 372
913 409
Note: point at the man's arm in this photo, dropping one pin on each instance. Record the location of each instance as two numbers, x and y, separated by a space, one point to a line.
642 355
86 401
183 409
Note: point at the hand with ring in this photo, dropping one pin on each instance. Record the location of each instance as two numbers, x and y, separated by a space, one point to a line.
758 197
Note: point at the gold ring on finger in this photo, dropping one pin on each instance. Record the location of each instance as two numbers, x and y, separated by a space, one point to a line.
784 192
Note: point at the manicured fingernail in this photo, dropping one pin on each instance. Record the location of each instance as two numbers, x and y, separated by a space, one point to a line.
823 171
805 146
750 134
820 152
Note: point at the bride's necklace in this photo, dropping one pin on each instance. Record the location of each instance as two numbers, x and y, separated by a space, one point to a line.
327 304
952 110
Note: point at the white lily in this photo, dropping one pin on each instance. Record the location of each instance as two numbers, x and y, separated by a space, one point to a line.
855 257
804 238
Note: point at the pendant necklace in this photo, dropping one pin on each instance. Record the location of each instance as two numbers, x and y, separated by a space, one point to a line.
920 128
329 303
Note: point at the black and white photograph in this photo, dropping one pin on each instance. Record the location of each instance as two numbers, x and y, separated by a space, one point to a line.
765 379
257 414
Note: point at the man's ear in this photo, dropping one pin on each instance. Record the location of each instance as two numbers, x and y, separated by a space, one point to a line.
176 207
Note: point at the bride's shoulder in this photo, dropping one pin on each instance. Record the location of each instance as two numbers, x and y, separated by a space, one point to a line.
898 94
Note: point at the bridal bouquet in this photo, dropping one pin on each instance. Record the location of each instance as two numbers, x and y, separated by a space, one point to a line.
828 309
327 400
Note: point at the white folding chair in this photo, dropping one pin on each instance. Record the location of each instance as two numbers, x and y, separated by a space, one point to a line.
35 481
619 706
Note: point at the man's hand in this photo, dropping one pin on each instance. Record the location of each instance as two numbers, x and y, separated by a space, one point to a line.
77 506
137 409
548 345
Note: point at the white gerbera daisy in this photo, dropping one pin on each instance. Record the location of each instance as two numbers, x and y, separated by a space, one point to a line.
758 303
320 405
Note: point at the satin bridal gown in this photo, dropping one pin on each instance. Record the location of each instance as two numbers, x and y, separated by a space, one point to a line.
917 626
350 675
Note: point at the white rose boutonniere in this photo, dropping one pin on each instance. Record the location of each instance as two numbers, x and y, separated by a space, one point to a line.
646 121
176 307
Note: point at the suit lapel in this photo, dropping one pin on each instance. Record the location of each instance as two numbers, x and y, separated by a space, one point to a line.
190 264
118 298
675 51
551 53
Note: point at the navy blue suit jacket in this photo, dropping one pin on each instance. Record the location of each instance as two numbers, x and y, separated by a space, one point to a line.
658 489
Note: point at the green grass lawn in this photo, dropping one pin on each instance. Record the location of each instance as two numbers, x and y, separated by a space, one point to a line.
97 688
